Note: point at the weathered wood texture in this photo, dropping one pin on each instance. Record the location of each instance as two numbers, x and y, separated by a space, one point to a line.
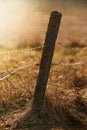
46 60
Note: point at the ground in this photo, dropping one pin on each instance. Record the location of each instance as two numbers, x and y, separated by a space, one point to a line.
66 94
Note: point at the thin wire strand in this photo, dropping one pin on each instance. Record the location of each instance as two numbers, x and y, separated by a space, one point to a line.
26 66
15 70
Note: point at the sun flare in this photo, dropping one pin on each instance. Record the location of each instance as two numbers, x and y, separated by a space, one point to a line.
12 16
19 19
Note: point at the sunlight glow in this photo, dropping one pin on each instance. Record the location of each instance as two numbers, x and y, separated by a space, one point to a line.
20 21
13 14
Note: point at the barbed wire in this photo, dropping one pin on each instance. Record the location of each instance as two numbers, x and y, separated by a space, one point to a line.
73 48
68 64
38 47
21 50
59 63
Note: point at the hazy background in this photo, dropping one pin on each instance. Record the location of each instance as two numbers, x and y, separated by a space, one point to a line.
27 20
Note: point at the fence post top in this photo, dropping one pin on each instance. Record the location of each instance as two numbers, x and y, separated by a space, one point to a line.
56 13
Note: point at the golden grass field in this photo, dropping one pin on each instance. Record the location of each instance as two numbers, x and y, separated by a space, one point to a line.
65 105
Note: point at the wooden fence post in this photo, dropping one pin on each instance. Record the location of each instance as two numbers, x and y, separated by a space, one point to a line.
46 60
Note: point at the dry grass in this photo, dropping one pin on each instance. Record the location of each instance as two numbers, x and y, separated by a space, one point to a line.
65 106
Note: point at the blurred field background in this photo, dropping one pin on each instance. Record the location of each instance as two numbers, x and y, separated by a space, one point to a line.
26 21
23 26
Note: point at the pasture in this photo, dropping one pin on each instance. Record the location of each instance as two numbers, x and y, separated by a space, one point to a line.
65 104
